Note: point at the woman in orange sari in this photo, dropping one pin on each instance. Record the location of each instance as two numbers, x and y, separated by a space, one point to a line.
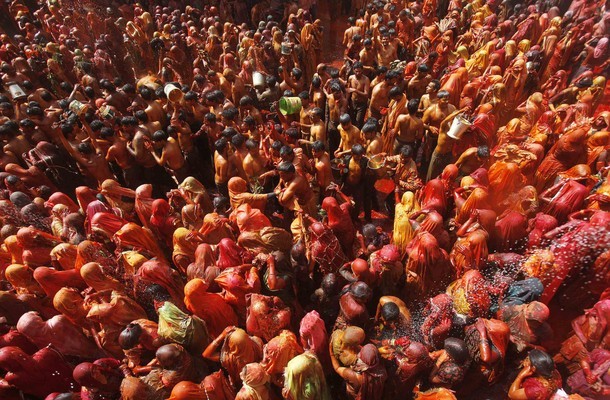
134 237
104 225
51 281
37 246
504 180
118 196
211 307
160 273
478 199
89 251
233 348
238 195
22 279
249 219
162 222
570 150
97 278
277 353
454 84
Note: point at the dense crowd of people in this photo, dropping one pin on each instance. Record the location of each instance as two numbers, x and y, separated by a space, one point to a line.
196 203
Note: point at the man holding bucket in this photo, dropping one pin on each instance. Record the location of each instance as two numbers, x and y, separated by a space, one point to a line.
442 155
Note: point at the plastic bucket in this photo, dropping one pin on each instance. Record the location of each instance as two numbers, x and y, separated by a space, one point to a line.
458 127
78 108
16 91
338 169
106 112
377 165
173 93
258 80
290 105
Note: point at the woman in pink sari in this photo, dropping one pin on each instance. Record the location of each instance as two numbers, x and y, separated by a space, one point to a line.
340 222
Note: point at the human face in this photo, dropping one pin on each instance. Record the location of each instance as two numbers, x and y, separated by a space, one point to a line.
358 72
443 101
430 88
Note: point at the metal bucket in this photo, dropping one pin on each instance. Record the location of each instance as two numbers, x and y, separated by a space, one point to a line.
458 127
106 112
78 108
337 168
173 93
290 105
377 165
286 48
258 80
16 92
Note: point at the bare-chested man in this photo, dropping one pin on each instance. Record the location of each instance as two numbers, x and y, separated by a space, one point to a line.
322 166
350 32
171 155
368 57
431 95
380 95
294 193
387 50
337 105
417 85
236 158
119 154
433 116
374 144
254 163
350 135
409 128
442 155
358 87
221 166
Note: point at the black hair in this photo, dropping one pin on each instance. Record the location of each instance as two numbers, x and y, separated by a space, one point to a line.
357 64
84 148
483 151
442 94
395 91
190 96
542 362
246 101
158 293
159 136
358 149
238 140
220 203
316 82
318 145
345 119
286 151
412 106
220 145
436 83
106 132
406 151
304 95
129 120
141 116
210 117
457 349
390 311
293 133
360 290
228 132
251 144
249 120
286 166
317 111
146 93
129 337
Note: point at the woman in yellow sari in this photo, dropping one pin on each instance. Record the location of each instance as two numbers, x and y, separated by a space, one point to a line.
403 229
184 248
193 192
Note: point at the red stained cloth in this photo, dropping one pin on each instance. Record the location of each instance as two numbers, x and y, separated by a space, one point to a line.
51 280
230 254
430 263
211 307
42 373
159 272
340 221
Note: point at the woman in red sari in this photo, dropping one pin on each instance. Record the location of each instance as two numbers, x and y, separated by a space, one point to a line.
470 250
159 272
267 315
433 224
60 198
211 307
52 280
37 375
567 195
104 225
340 222
230 254
314 338
162 222
538 380
430 264
249 219
487 341
58 331
366 379
236 283
539 226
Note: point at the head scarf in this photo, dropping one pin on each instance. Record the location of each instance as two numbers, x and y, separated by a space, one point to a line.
93 274
60 198
254 377
229 254
522 292
186 390
278 351
304 378
143 204
374 373
237 351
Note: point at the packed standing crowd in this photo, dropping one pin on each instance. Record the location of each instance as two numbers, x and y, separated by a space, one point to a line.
195 204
